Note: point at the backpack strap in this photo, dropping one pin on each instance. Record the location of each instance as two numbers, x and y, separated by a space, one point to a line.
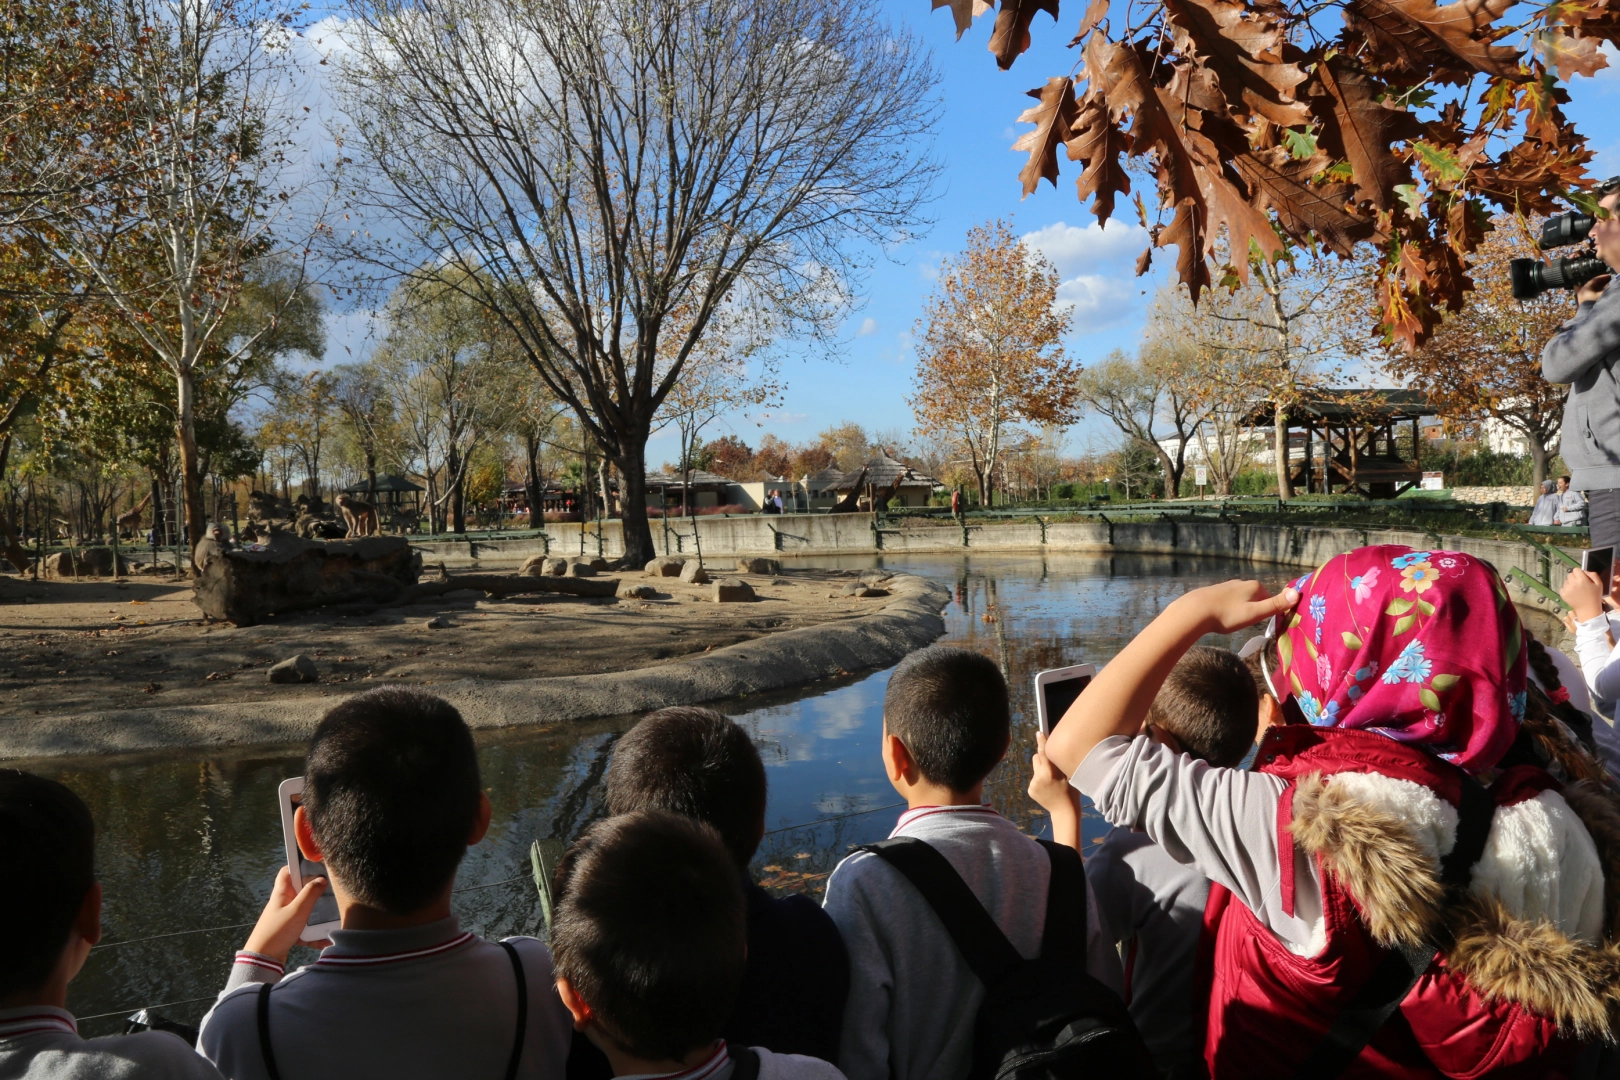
522 1011
978 938
1065 935
744 1061
264 1033
1403 965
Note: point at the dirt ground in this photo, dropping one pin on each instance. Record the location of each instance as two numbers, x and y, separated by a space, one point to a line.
69 647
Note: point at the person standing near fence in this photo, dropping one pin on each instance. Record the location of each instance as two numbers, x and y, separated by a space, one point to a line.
1572 506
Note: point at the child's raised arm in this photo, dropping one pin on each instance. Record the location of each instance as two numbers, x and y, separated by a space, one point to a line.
1118 699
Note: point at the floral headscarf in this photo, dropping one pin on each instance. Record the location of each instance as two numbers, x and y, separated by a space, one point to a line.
1422 646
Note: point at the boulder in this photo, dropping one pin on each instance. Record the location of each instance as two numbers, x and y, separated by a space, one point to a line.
862 592
758 566
628 591
290 574
665 566
578 568
438 622
543 566
875 577
599 563
90 562
732 591
295 669
693 574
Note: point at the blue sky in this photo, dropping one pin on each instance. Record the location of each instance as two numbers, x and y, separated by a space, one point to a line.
872 374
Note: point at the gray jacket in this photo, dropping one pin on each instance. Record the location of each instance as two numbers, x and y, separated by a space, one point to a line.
1583 355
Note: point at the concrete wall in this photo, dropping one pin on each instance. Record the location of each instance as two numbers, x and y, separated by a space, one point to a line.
855 534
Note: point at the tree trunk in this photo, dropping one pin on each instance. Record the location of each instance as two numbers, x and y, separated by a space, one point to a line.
458 505
632 466
1540 459
531 480
13 550
1285 484
190 476
1167 467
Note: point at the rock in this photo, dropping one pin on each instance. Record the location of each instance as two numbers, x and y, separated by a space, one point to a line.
599 563
438 622
855 589
759 566
665 566
875 577
693 573
870 593
91 562
581 569
290 574
543 566
732 591
295 669
628 591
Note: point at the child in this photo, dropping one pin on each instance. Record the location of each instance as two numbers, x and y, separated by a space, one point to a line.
52 905
1333 878
650 941
912 998
1153 905
391 801
698 763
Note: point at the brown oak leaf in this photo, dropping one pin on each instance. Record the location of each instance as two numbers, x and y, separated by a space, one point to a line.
1010 39
1053 118
1096 12
1466 225
1450 40
1245 51
1098 144
964 12
1527 175
1187 231
1570 53
1359 128
1282 182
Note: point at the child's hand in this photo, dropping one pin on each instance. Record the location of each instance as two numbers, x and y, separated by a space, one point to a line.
1233 605
1048 786
1583 591
284 917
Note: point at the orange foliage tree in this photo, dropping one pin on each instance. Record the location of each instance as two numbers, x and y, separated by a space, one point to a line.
1395 124
990 353
1484 362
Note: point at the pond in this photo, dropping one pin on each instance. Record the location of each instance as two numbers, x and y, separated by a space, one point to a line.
188 842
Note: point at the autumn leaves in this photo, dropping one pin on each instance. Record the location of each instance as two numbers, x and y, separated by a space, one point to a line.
1257 126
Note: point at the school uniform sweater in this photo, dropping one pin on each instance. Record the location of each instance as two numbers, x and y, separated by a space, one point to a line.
427 1001
720 1066
1153 908
912 998
42 1043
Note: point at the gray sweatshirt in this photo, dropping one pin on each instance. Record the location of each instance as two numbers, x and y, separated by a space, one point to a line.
1582 354
428 1001
41 1043
912 998
1153 907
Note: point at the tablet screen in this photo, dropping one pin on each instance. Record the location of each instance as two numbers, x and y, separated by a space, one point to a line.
1058 696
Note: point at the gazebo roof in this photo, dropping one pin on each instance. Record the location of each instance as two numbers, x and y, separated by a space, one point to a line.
882 471
1351 405
385 482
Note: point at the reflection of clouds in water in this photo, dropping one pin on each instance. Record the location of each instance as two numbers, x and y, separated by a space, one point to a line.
816 727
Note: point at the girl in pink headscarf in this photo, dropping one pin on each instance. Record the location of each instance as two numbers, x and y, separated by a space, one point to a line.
1378 852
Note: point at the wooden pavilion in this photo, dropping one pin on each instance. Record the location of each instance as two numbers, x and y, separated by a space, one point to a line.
1351 440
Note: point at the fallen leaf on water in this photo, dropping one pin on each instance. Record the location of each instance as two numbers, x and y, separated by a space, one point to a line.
771 869
802 855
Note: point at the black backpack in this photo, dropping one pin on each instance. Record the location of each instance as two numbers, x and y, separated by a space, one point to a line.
1043 1019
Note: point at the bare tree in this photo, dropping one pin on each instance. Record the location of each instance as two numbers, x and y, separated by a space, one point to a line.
1142 396
587 170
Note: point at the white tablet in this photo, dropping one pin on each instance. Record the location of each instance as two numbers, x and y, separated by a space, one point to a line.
1055 691
324 918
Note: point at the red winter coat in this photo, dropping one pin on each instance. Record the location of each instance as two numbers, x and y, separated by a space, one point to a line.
1268 1008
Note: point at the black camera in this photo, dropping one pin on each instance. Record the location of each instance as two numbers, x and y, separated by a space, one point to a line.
1532 277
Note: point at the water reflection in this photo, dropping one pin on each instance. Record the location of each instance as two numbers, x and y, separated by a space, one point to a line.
190 841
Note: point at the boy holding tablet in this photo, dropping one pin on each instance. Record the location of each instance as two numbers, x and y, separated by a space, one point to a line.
391 802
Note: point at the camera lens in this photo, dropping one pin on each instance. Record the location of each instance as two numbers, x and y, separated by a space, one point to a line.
1531 278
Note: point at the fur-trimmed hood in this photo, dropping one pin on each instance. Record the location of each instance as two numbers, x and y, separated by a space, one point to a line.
1541 924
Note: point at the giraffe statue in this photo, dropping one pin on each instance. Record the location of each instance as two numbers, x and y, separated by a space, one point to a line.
131 521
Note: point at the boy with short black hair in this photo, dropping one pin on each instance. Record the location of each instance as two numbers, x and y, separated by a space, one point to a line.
699 763
651 947
52 910
913 999
1153 906
391 802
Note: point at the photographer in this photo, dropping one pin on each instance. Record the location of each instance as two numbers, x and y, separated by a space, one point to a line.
1584 354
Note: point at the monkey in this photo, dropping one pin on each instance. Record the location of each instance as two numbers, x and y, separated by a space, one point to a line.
360 517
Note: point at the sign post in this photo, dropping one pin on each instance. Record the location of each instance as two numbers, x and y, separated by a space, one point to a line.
1201 478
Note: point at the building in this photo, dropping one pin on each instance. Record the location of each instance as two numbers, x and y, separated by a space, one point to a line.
904 485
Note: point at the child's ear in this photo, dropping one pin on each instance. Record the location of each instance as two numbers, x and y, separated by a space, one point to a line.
1270 716
897 760
304 833
576 1005
481 822
88 922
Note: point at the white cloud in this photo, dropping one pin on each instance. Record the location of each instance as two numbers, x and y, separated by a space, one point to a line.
1098 301
1077 250
869 325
